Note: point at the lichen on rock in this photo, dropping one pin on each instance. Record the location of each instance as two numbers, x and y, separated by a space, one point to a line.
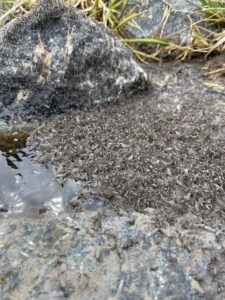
53 58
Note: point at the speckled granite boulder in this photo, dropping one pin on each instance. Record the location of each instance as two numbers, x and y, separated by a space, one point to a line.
166 18
53 58
95 254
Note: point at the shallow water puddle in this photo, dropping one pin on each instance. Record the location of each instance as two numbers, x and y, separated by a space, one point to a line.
27 187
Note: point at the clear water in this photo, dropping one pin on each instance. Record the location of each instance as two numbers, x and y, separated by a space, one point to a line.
27 187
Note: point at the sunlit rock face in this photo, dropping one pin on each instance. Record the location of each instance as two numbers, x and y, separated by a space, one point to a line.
53 58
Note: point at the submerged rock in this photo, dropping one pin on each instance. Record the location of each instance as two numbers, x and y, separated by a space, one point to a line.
53 58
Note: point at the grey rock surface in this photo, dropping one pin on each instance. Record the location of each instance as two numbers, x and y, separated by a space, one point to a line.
170 19
53 58
97 254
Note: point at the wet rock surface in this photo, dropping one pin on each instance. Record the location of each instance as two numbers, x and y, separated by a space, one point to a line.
165 151
162 155
53 58
148 220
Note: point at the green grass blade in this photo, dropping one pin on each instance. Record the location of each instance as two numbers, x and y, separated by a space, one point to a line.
157 41
127 19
